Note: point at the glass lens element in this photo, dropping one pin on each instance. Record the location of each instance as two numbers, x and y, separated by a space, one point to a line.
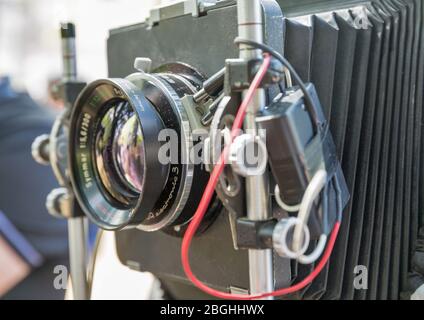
128 151
120 152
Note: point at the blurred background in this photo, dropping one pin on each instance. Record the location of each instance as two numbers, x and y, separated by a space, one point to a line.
30 66
30 44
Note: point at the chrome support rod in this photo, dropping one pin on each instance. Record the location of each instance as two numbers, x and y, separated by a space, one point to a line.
251 27
78 257
69 56
77 226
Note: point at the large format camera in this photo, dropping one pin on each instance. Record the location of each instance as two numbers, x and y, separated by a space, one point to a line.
144 145
117 140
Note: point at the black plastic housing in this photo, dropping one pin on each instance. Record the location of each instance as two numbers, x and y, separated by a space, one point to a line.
296 153
289 130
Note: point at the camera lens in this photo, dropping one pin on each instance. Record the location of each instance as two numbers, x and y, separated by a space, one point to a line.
120 151
114 154
117 140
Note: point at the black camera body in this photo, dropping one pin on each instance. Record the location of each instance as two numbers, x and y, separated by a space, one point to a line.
204 43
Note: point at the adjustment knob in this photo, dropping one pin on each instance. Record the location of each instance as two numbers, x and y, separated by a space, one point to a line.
248 156
282 237
40 149
58 203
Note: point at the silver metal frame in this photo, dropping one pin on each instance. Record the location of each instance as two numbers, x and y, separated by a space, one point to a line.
251 27
78 257
77 230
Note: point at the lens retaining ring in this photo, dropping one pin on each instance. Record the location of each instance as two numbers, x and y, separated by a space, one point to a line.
104 211
181 177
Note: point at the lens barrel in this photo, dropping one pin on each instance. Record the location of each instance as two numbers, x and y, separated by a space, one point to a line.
117 128
107 200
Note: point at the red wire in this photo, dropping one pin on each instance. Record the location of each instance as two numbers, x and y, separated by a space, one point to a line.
207 198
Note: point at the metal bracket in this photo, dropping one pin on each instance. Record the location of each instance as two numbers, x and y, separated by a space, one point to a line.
256 235
194 7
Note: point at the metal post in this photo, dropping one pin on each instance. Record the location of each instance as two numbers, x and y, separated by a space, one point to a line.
69 57
78 257
77 232
250 23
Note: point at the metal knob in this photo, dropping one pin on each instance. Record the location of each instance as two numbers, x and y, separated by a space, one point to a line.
248 156
282 235
40 149
58 203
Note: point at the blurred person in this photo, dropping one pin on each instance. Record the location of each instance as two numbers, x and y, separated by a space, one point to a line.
24 186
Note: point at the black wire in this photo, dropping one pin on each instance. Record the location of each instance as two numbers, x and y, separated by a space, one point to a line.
338 190
325 200
282 89
310 105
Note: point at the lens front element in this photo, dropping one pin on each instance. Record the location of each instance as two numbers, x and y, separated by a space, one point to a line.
114 129
120 155
128 151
